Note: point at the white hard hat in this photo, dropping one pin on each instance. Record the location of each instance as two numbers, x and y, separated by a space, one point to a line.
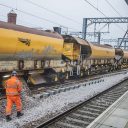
14 72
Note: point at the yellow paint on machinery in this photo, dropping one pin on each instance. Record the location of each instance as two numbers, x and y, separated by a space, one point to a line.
10 65
36 79
21 45
71 51
125 54
101 51
90 50
29 64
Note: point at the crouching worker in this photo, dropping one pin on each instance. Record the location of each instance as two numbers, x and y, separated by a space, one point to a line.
13 88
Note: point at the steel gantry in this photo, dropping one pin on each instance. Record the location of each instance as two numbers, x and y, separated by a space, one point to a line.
108 20
89 21
123 43
123 40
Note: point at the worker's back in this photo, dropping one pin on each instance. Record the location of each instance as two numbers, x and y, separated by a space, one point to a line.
13 86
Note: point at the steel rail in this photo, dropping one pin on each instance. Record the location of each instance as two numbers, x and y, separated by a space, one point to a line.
64 114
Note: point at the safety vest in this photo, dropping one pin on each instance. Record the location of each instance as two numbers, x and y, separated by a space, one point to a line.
13 86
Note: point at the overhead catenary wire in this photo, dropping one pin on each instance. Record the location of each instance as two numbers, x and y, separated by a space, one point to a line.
113 8
95 7
116 12
101 13
32 25
53 12
30 14
35 16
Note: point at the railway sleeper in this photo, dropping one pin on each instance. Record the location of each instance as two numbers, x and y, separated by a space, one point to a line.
76 122
108 100
118 90
89 113
92 110
99 104
99 101
84 117
65 125
111 97
96 106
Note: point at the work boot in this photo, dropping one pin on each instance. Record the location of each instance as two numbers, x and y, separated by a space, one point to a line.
19 114
8 118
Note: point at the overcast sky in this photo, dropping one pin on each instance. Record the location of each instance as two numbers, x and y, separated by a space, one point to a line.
71 13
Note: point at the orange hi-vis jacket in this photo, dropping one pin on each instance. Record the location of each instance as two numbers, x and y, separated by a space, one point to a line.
13 86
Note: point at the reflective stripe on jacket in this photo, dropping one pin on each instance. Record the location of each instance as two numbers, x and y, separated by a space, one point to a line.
13 86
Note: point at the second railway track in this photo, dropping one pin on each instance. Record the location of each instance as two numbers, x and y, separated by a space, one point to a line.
86 112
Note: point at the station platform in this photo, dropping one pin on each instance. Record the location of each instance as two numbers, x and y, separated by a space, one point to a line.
116 116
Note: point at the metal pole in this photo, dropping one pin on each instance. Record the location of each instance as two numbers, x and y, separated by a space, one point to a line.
125 45
99 37
123 38
84 31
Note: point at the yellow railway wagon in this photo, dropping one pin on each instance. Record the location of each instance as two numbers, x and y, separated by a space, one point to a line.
101 51
19 42
74 47
86 49
71 51
125 54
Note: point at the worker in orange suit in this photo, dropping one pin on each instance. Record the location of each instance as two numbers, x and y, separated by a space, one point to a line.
13 89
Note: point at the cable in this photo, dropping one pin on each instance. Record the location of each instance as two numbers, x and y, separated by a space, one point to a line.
28 14
113 8
23 22
102 13
116 12
53 12
35 16
95 7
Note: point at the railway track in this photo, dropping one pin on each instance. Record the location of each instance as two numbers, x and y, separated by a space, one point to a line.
67 82
81 115
38 89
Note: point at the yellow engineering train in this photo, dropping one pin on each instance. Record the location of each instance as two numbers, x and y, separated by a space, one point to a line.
42 56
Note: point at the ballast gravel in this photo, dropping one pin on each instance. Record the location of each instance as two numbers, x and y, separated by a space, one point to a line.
37 109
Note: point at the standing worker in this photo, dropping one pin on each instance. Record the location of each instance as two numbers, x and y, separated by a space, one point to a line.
13 89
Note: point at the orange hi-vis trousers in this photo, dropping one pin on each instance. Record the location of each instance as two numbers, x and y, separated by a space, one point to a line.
13 100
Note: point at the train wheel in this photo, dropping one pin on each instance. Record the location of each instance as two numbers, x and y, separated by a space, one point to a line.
42 63
35 64
56 78
88 72
81 74
67 76
21 64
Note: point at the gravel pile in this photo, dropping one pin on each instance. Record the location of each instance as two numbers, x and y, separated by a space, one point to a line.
36 110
